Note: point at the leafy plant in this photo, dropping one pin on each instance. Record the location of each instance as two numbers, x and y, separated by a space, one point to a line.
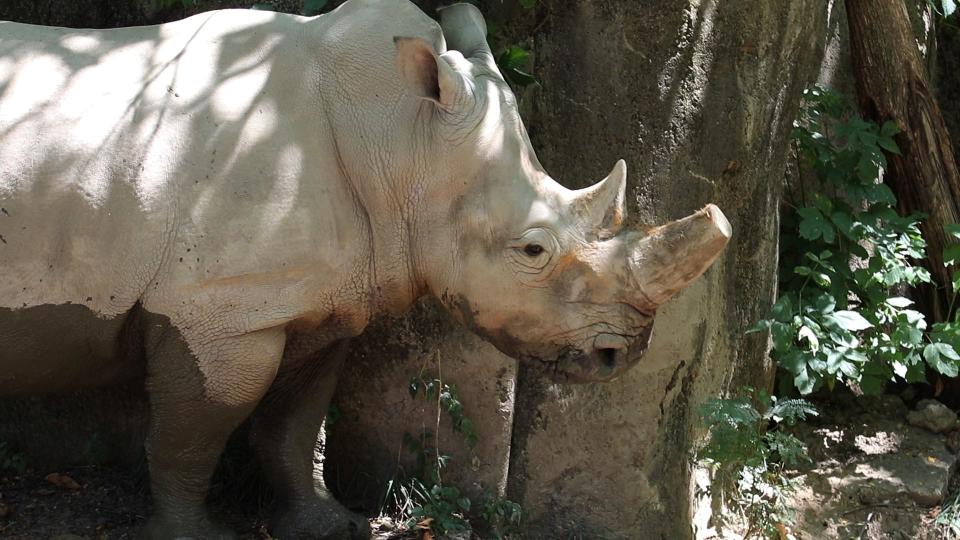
448 400
847 258
421 501
499 516
943 7
10 459
947 522
513 62
746 459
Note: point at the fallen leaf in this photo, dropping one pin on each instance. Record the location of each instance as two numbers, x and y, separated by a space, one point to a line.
424 524
782 531
63 481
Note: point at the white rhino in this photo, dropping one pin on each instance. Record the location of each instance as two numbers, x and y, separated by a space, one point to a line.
212 204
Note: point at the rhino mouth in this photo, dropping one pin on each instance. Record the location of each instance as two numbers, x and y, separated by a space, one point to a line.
601 364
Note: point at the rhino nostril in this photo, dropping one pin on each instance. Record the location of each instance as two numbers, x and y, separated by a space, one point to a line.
608 357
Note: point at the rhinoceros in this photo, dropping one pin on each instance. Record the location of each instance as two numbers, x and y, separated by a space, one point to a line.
213 204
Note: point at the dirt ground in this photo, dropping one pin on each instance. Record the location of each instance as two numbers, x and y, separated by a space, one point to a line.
112 503
107 503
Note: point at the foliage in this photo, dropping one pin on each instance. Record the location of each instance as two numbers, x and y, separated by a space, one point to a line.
10 459
448 400
513 62
513 59
498 516
746 460
943 7
847 258
422 500
947 522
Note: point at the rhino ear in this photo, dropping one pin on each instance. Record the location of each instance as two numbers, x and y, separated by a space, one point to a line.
426 74
466 31
602 205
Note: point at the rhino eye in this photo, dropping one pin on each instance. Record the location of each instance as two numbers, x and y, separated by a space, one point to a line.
533 250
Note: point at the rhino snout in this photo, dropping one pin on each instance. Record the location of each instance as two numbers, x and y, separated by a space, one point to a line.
610 356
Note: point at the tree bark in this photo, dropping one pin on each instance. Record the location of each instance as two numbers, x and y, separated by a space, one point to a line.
892 85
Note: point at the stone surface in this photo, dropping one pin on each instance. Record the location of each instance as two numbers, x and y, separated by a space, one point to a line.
870 468
932 415
700 96
365 445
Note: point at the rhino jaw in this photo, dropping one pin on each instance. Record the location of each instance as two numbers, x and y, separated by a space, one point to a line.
669 257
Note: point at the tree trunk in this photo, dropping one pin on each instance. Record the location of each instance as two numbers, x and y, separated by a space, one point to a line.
892 85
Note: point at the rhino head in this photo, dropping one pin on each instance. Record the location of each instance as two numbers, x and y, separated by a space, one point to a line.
547 274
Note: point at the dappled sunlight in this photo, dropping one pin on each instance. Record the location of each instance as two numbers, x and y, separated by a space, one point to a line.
83 114
289 172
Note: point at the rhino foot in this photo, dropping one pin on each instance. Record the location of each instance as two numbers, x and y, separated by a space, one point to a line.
169 528
323 520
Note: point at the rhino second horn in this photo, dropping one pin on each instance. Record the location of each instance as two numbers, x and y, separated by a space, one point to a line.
675 254
465 30
602 205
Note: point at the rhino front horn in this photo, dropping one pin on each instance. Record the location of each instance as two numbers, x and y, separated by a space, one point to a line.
669 257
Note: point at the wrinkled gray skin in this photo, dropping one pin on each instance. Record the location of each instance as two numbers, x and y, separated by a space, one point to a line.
216 202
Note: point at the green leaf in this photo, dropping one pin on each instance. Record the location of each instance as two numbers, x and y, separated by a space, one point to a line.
889 145
513 57
951 254
793 361
942 349
872 386
814 225
528 4
313 7
520 77
824 303
948 6
889 129
763 324
262 7
953 230
804 383
899 302
851 321
783 310
782 336
879 193
844 223
942 358
806 333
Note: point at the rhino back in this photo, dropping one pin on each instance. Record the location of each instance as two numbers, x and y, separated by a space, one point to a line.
204 161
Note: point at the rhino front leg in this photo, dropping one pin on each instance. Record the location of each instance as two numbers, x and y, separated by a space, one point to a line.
285 431
196 401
